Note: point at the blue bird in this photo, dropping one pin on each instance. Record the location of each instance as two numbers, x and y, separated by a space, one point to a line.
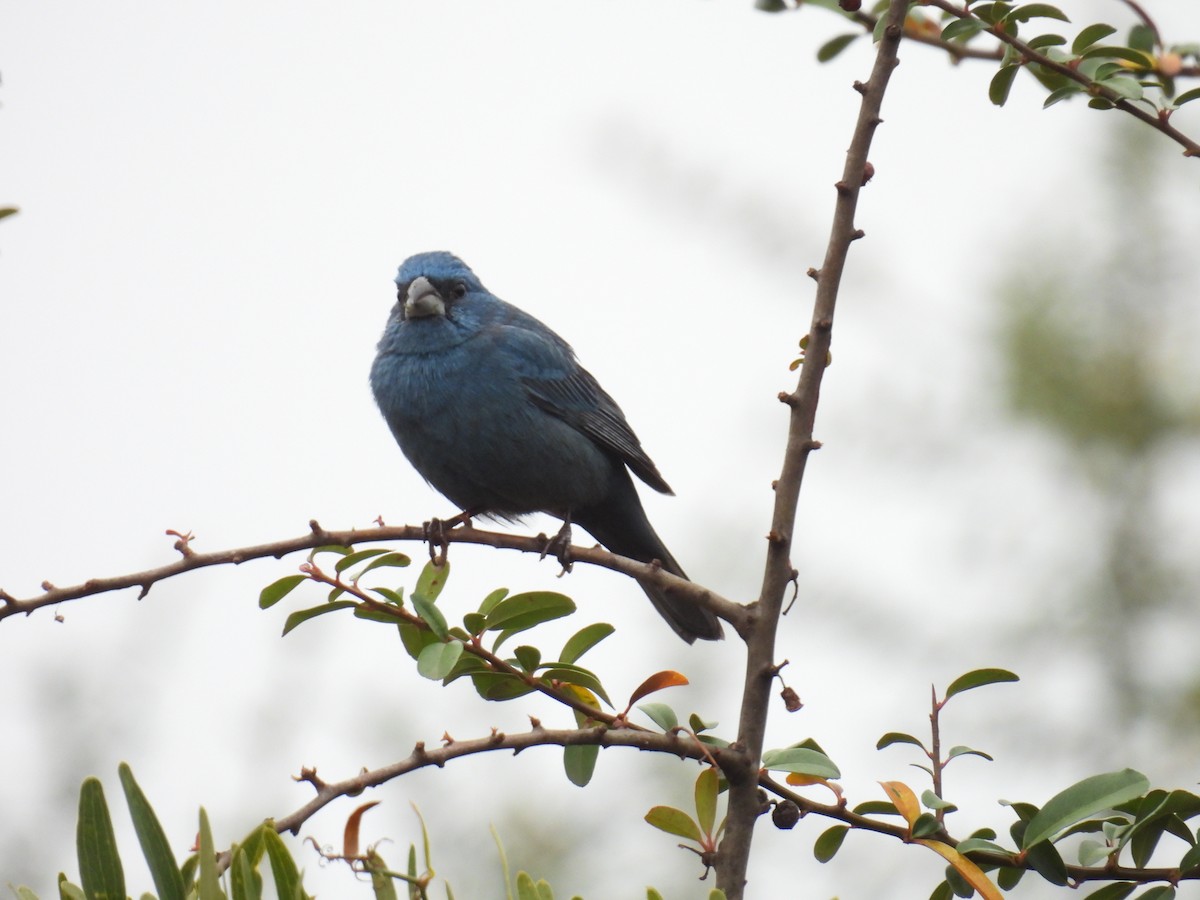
492 408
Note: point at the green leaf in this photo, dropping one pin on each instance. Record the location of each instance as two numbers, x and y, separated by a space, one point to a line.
897 737
830 842
415 639
966 751
933 801
707 787
1187 97
1090 35
353 559
584 640
972 844
1190 860
500 686
698 724
283 867
330 548
1125 86
1037 11
523 611
978 678
579 676
1062 94
160 860
528 658
1008 878
432 580
802 761
96 846
962 30
674 821
277 590
430 615
661 714
1159 892
392 560
396 598
992 12
942 892
834 46
68 891
490 601
303 615
1082 800
579 760
209 883
436 660
7 211
244 882
1116 891
1047 862
1093 853
876 808
926 826
1112 52
1046 40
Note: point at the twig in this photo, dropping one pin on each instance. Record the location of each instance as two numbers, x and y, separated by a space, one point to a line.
742 774
731 612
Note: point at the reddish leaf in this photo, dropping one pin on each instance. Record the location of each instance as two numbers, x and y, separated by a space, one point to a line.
657 682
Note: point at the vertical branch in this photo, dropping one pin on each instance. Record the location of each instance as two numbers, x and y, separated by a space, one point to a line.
745 804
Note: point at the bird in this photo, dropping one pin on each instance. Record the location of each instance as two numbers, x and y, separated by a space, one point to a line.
492 408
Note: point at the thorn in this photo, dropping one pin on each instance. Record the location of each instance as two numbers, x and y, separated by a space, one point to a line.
184 542
535 723
446 739
378 520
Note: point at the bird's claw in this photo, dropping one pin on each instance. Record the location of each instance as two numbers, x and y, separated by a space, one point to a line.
435 535
560 547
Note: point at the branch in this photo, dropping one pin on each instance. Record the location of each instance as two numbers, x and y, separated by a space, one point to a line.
644 573
1159 120
744 802
678 744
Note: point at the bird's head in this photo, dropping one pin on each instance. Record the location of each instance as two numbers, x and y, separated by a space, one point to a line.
433 284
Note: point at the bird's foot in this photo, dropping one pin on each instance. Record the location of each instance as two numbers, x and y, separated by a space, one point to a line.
435 535
560 547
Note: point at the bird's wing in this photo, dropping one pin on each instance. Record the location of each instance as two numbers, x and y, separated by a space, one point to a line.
558 385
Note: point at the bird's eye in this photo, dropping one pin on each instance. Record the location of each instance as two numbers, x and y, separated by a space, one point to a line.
459 289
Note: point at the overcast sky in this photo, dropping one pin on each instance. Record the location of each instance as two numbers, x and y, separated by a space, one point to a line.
214 198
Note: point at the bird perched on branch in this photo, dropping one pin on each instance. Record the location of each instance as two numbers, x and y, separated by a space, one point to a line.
491 407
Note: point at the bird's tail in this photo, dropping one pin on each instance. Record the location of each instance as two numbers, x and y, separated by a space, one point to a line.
633 536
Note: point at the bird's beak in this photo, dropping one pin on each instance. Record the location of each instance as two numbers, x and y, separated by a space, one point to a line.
423 300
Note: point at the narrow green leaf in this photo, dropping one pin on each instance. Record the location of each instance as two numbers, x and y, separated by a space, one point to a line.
831 48
500 686
96 846
1084 799
1046 861
436 660
1090 35
393 560
430 615
1158 892
584 640
277 590
708 785
967 751
661 714
579 676
1046 40
674 821
396 598
897 737
978 678
802 761
1116 52
829 843
209 883
579 761
1037 11
1001 84
962 30
1061 94
1117 891
972 844
933 801
432 580
876 808
522 611
244 882
330 548
353 559
283 867
160 860
303 615
1187 97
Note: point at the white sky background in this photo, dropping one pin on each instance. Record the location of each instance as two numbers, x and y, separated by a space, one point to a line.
214 198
